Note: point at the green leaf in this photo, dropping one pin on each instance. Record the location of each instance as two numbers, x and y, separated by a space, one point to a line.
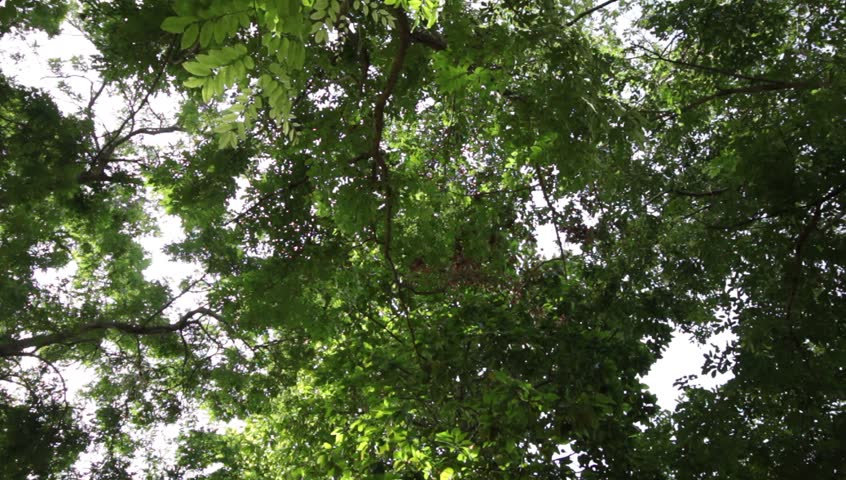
284 49
227 140
207 91
321 36
447 474
220 31
296 55
206 34
196 68
244 20
190 36
194 82
212 59
176 24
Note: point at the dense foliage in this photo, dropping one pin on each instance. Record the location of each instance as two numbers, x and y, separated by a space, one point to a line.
360 184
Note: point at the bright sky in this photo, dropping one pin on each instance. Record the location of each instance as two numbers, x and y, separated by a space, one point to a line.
683 357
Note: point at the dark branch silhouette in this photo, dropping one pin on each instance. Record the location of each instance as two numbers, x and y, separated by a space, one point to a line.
681 63
82 333
589 12
431 40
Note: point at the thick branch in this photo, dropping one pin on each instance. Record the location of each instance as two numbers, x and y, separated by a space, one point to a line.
147 131
80 334
105 156
431 40
108 149
89 109
379 126
391 83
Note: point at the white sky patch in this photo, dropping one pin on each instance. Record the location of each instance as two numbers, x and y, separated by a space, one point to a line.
30 54
162 266
684 356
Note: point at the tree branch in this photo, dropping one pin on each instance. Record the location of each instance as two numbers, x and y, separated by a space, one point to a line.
260 201
589 12
431 40
147 131
100 160
376 153
391 83
556 223
16 347
801 241
709 193
657 56
770 87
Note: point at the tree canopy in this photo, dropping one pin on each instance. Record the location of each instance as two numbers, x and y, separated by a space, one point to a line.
360 184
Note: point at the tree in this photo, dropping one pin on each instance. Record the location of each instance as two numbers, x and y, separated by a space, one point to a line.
375 303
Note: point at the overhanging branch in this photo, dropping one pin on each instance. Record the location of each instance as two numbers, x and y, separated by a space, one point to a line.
80 334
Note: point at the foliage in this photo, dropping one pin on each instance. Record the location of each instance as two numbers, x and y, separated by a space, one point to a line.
360 183
38 440
30 15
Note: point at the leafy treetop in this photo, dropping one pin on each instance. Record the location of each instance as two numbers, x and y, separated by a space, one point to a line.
360 184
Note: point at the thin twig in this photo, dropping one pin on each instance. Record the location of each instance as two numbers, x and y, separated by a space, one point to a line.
657 56
725 92
56 370
709 193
